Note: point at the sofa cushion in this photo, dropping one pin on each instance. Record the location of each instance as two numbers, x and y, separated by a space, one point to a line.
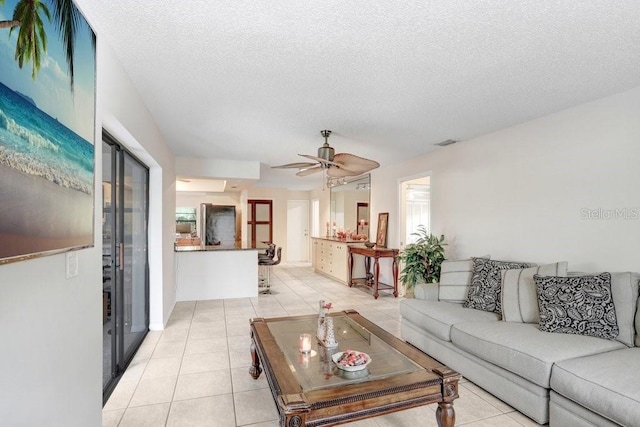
606 383
484 292
519 295
455 278
523 349
624 287
437 317
577 305
428 291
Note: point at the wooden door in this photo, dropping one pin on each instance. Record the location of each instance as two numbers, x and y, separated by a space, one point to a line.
260 222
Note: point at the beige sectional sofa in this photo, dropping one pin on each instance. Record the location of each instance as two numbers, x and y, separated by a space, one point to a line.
565 379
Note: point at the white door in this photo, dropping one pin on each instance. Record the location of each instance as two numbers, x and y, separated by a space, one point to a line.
297 230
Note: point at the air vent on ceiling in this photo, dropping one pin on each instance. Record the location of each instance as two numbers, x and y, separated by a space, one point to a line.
446 142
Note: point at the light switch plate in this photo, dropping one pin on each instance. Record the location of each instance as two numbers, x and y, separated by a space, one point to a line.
72 264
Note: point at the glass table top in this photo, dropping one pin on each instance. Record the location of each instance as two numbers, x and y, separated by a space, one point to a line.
316 370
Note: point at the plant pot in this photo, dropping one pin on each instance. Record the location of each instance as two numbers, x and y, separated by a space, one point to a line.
409 292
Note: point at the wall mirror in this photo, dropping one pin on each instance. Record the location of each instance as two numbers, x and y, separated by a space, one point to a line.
350 204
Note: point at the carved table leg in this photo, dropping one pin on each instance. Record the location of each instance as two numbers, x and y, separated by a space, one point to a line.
394 268
376 277
445 415
350 269
255 370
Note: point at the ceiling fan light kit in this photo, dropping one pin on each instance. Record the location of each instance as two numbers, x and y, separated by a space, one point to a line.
334 165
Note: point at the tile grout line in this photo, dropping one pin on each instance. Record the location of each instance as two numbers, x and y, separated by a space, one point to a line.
226 335
184 350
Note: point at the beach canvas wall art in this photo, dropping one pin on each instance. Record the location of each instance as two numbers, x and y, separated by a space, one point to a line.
47 128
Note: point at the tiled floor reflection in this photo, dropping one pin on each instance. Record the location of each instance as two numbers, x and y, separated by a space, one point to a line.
195 372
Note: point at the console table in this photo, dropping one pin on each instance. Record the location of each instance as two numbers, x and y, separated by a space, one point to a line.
371 280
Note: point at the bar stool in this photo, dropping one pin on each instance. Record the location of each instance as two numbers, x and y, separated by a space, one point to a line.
268 264
269 253
263 259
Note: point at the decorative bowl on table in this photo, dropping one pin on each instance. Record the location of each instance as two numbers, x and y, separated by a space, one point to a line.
352 375
369 244
351 360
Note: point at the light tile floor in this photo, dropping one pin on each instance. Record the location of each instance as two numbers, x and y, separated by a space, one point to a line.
196 371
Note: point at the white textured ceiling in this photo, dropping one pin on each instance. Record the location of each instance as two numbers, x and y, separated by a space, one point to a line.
247 80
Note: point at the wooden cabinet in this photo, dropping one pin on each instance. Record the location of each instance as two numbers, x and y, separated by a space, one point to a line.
338 261
330 257
188 241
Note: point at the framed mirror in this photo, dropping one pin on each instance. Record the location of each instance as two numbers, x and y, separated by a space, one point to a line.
350 204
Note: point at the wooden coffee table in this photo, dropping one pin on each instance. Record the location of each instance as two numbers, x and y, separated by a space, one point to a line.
310 390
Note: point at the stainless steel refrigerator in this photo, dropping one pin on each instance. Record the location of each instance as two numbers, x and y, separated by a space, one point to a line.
218 224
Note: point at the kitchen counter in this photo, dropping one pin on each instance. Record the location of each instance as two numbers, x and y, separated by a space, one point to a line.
216 272
336 239
221 247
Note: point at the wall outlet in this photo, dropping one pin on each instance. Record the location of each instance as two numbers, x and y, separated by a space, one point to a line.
72 264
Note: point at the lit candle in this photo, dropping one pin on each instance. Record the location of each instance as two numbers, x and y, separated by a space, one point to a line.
305 343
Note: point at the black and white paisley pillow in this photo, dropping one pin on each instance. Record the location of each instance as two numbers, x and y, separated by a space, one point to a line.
580 305
484 291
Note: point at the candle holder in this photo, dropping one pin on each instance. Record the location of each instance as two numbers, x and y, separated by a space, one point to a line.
305 343
329 335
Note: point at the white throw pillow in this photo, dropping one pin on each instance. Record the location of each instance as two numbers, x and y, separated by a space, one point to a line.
455 278
519 293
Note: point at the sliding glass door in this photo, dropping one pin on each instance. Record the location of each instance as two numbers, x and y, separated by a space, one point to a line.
125 261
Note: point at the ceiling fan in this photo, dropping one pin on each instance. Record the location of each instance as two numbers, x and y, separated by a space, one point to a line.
335 165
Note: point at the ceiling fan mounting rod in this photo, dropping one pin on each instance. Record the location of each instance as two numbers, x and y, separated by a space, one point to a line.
326 152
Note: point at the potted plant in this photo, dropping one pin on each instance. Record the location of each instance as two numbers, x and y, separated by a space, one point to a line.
421 260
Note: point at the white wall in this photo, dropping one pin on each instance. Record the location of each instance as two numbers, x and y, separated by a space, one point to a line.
50 326
324 196
521 193
125 116
51 335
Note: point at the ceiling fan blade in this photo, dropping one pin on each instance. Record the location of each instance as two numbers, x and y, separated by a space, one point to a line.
309 171
296 165
354 163
341 164
320 159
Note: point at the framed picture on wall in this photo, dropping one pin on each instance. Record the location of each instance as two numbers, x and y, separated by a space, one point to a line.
47 130
381 235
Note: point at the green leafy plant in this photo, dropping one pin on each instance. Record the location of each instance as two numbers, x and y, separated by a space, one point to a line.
421 260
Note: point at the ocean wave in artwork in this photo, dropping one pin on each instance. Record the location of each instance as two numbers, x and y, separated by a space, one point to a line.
34 154
35 141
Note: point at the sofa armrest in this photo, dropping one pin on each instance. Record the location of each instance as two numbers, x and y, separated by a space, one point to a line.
426 291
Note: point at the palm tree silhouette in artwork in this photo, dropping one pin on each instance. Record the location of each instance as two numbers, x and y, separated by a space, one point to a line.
32 38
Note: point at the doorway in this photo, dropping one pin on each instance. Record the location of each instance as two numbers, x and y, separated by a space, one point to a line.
260 222
125 267
415 207
297 230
